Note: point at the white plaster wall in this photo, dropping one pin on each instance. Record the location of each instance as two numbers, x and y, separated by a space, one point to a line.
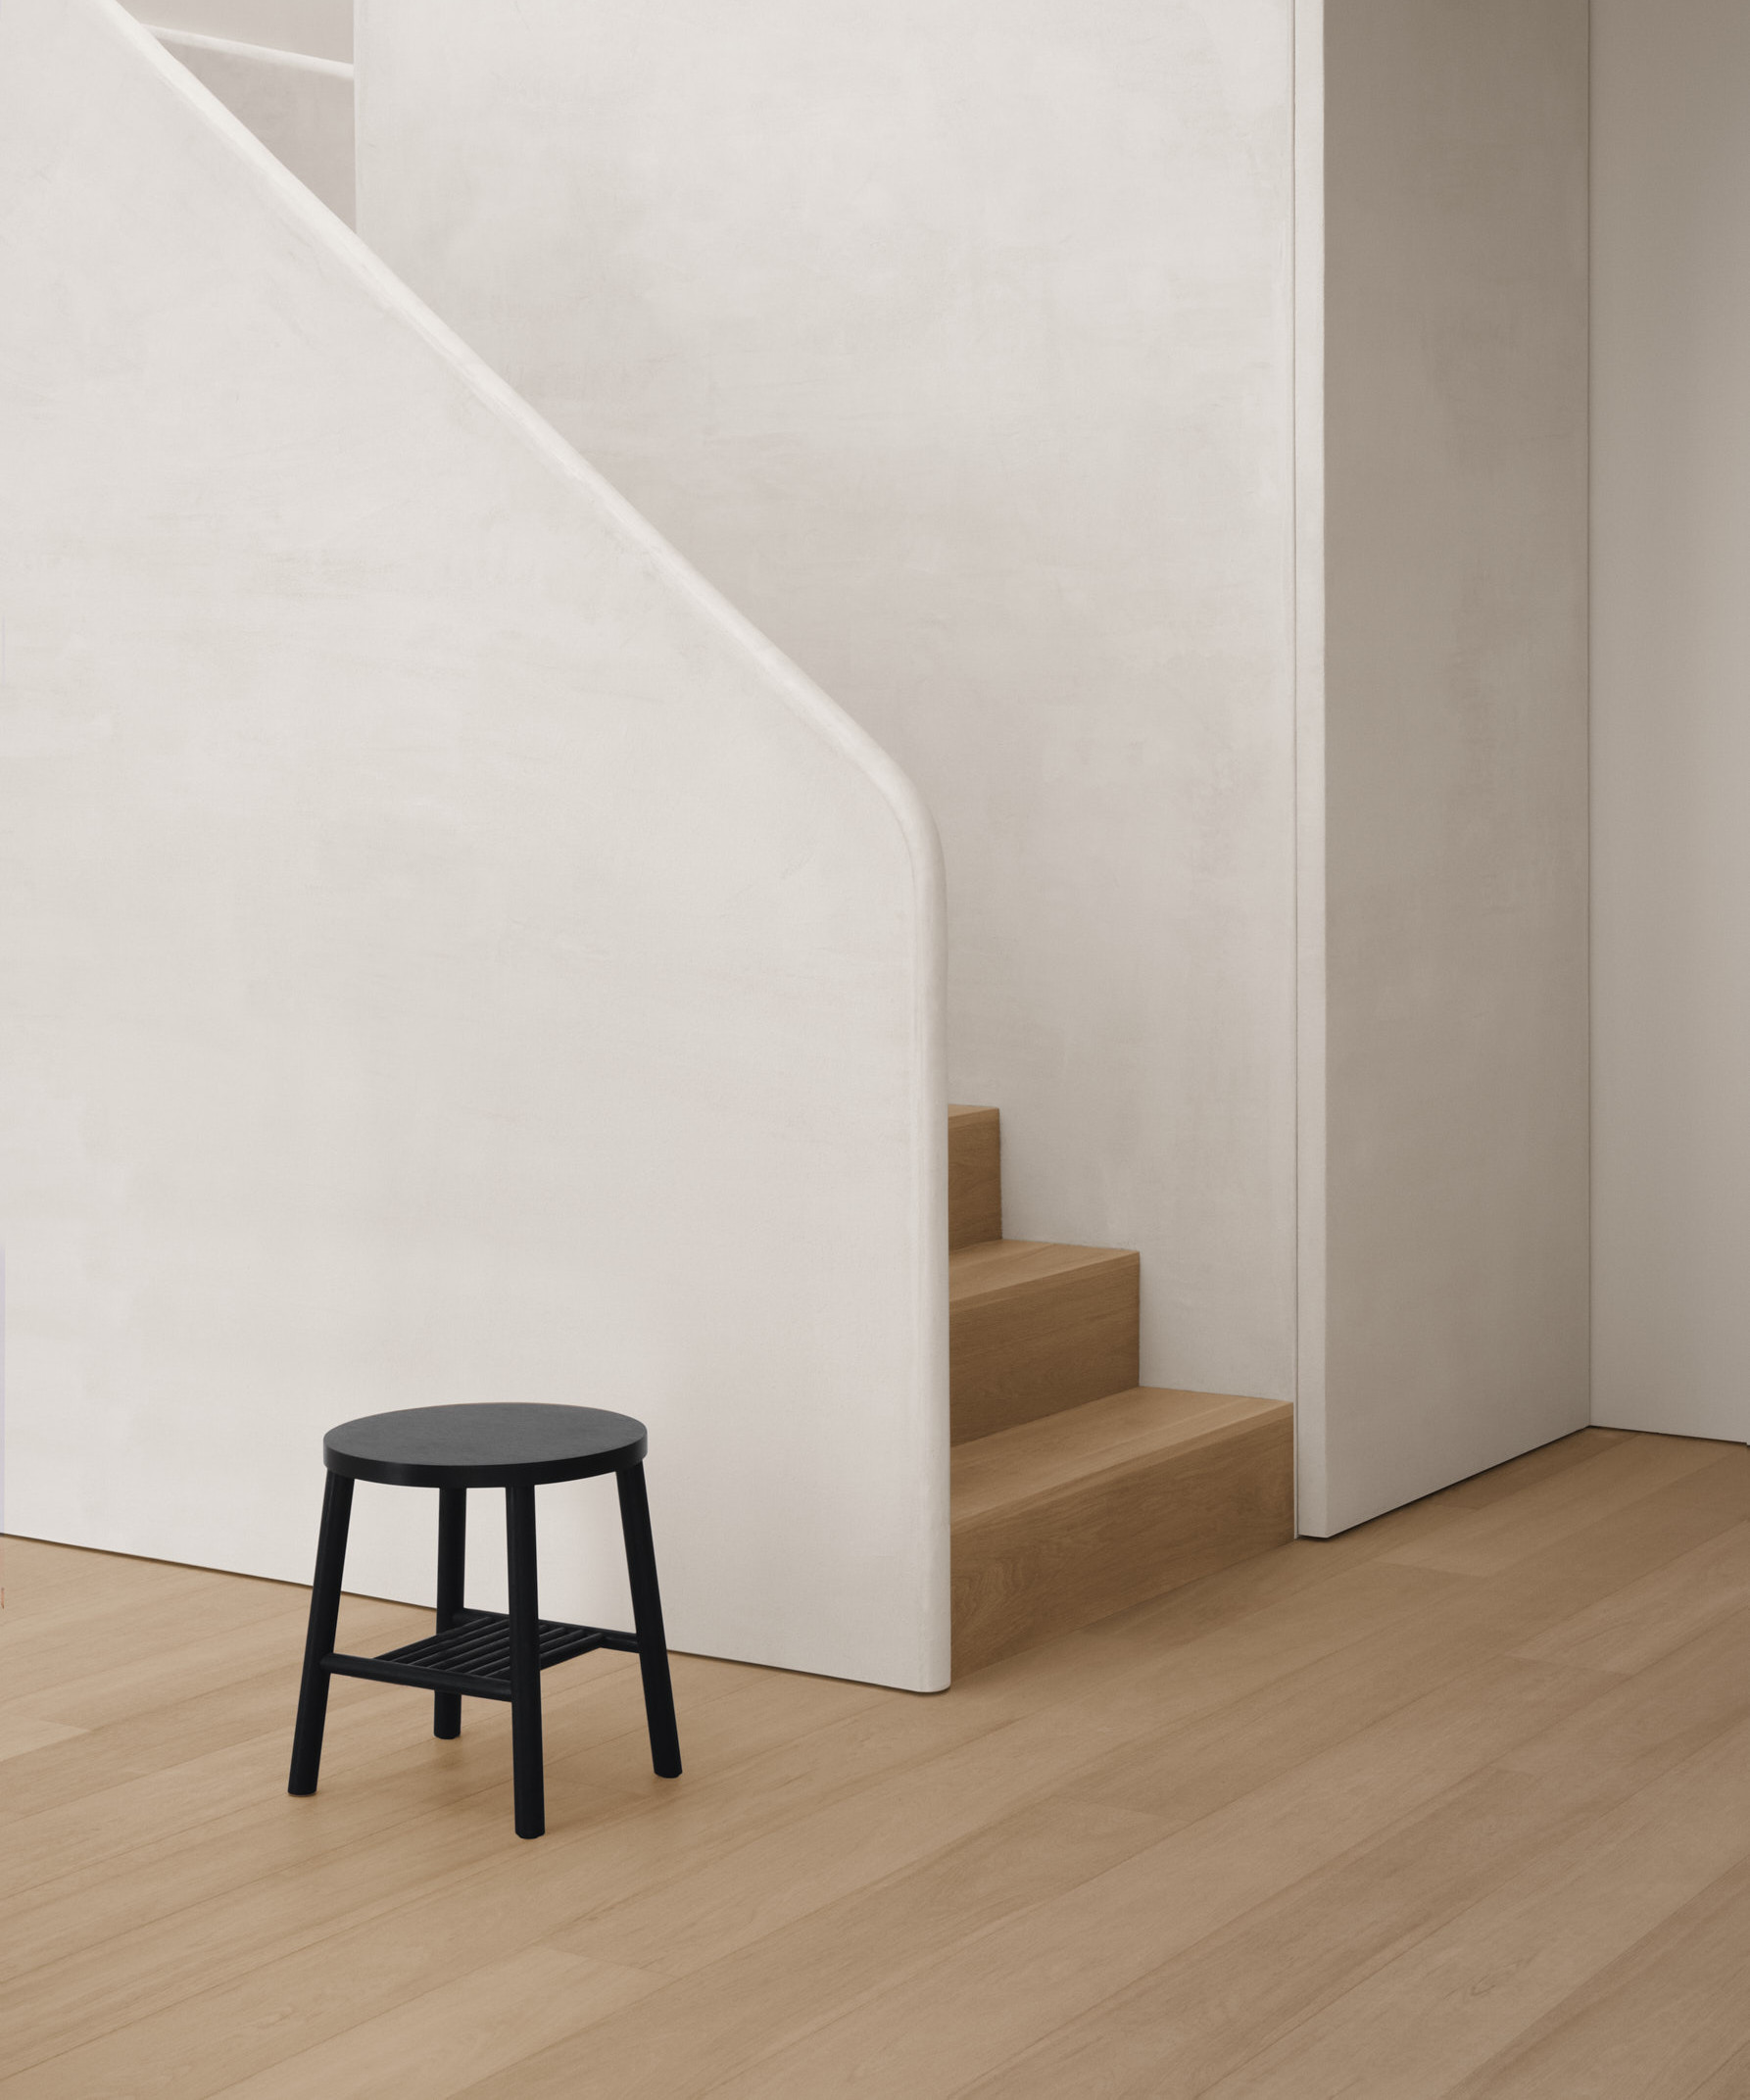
1311 1443
448 955
1670 716
321 29
301 109
1453 944
955 345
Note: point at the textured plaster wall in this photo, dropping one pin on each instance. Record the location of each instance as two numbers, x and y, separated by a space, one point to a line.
1670 716
300 108
448 955
955 345
321 29
1450 897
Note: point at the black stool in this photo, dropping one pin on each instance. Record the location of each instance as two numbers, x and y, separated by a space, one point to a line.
486 1655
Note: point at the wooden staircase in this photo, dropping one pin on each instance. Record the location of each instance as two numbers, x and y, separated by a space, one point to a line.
1076 1490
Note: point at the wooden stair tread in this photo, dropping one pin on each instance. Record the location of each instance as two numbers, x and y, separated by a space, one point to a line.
1076 1492
1037 1458
994 1266
1062 1521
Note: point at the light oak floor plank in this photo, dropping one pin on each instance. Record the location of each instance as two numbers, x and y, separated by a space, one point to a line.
1422 2023
1485 1541
1661 2023
21 1732
437 2044
1455 1805
1179 2028
936 2032
1638 1624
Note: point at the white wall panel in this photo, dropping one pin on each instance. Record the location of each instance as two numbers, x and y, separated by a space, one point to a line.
1670 716
955 344
1449 930
322 28
301 109
447 954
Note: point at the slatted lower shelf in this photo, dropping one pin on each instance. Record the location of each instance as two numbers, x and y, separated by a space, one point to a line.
473 1656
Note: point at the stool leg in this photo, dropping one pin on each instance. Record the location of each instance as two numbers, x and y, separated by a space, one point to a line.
452 1533
647 1618
525 1663
319 1641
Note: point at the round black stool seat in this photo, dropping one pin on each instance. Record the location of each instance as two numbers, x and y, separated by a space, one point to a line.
509 1443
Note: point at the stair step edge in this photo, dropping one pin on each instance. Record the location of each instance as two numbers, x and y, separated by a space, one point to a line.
990 1268
1075 1449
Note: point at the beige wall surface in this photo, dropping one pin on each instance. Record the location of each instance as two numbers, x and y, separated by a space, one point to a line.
955 346
300 108
1671 699
447 954
1454 1100
324 28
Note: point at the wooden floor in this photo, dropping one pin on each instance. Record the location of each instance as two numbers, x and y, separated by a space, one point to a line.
1456 1804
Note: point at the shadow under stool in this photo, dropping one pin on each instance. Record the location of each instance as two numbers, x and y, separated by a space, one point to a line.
517 1446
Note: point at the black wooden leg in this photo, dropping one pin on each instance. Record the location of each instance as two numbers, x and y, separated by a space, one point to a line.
324 1616
647 1620
453 1533
525 1663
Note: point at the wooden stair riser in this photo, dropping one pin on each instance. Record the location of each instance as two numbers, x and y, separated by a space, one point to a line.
974 1176
1043 1566
1076 1491
1042 1345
